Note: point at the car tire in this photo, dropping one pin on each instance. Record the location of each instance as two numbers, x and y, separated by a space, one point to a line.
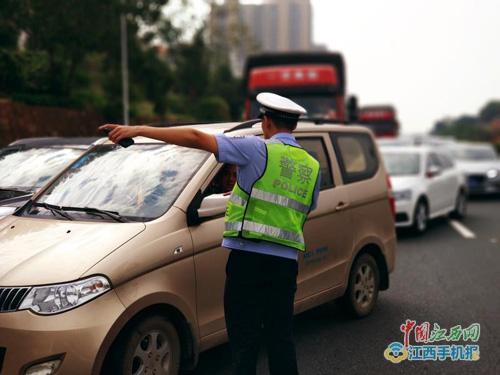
361 295
420 217
150 346
460 210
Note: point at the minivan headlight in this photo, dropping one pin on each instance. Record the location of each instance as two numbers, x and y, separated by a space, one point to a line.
53 299
402 195
492 173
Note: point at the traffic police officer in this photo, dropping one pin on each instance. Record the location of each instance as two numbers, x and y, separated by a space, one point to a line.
277 186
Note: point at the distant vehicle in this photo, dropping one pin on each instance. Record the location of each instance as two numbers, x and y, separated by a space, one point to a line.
27 164
381 119
314 80
120 270
480 165
417 140
426 184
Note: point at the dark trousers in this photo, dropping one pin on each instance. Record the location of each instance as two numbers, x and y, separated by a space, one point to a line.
258 304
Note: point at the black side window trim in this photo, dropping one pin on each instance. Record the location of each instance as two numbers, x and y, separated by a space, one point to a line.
327 157
350 178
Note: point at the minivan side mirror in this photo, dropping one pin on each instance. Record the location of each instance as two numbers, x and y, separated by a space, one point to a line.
213 205
433 171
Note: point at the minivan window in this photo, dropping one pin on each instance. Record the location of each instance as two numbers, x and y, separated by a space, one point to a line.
140 182
316 148
356 155
445 161
433 160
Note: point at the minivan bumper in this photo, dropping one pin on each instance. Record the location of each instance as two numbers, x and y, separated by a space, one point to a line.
404 213
74 336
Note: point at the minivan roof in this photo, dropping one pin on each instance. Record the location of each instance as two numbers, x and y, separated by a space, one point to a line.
53 141
254 128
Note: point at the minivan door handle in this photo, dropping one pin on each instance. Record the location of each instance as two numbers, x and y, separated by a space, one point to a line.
341 206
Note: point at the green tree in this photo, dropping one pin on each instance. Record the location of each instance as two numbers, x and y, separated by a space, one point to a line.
490 111
63 33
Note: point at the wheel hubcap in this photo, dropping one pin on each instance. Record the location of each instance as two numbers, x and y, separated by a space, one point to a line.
364 285
152 355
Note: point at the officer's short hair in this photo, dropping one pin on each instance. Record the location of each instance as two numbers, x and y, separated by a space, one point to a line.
283 123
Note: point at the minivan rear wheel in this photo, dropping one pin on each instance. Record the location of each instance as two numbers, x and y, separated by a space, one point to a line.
362 291
151 346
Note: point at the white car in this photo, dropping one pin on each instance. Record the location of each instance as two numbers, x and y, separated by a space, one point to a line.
480 165
426 184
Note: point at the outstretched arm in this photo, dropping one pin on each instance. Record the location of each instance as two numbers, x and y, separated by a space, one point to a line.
186 137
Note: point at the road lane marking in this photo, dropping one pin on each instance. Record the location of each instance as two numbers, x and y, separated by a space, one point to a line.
462 229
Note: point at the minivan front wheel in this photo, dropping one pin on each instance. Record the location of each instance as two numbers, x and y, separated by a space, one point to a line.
362 291
152 346
420 217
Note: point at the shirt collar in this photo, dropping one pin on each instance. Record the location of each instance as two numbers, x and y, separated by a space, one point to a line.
284 136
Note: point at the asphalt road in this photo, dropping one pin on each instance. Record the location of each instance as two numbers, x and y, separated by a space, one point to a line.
440 277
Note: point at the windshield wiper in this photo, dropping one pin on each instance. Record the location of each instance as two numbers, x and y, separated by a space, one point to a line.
96 211
16 190
53 209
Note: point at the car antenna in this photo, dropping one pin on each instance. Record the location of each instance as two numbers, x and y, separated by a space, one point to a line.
243 125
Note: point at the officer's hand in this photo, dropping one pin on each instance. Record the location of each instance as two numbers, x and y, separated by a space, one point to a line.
119 132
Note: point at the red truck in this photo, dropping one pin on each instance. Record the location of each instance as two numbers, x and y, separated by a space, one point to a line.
314 80
381 119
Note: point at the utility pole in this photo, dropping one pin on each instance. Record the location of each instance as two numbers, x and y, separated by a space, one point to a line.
124 57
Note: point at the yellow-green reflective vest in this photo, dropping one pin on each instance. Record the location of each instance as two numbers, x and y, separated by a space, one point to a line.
277 206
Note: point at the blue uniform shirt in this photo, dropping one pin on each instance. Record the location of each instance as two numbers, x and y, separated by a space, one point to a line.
249 155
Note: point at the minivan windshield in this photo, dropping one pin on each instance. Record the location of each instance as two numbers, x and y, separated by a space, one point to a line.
476 153
29 169
139 183
402 163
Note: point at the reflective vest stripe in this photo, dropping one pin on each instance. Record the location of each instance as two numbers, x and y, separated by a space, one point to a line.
276 207
233 225
236 199
280 200
273 231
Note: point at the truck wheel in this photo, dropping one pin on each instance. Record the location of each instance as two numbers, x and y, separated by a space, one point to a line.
149 347
420 217
460 210
362 292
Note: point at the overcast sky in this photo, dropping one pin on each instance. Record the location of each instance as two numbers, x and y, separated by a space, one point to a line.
430 58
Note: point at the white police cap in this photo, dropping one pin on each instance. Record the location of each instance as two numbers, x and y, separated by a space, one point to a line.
279 106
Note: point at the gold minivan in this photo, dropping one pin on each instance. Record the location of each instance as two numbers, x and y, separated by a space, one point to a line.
116 265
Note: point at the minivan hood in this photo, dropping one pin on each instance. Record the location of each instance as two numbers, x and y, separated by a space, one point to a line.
42 251
399 183
479 167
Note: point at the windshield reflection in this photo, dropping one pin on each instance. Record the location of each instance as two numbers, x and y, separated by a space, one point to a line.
475 153
30 169
402 164
139 182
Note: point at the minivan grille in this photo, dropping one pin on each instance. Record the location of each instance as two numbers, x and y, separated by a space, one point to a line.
11 298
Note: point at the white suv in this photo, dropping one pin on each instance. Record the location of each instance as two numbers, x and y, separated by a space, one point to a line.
426 184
